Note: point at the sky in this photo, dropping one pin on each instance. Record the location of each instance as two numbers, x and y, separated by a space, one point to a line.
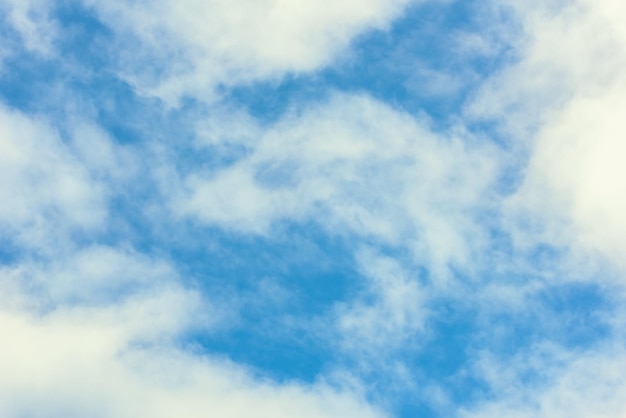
315 209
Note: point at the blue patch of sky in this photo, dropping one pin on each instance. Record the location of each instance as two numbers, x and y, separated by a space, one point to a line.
9 252
301 258
573 316
84 39
446 351
24 78
286 285
410 409
271 346
583 311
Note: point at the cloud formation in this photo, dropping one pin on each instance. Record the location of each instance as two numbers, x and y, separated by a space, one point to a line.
199 46
95 361
158 235
562 101
354 166
44 186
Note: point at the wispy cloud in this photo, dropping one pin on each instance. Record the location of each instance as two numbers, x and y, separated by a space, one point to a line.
44 185
354 166
32 23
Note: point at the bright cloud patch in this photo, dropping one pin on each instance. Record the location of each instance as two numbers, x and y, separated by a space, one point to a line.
312 209
93 365
579 150
199 45
44 186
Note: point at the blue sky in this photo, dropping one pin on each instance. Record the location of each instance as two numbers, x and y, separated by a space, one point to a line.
364 208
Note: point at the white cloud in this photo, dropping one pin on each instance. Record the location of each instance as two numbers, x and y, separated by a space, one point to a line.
30 19
198 45
43 186
391 310
90 276
566 384
354 166
563 103
106 160
576 175
90 362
